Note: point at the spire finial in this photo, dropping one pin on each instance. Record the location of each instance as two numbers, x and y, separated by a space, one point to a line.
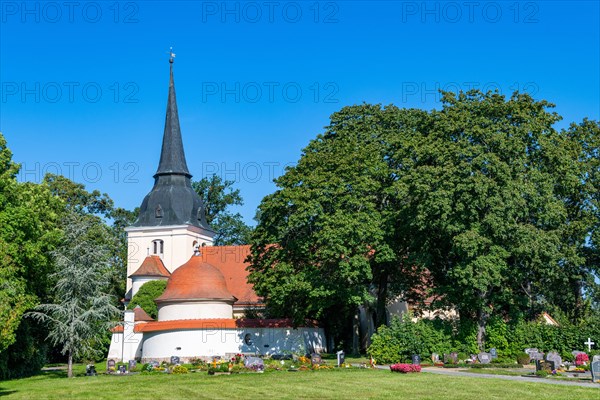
171 55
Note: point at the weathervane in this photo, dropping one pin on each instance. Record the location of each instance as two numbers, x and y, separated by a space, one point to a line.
171 55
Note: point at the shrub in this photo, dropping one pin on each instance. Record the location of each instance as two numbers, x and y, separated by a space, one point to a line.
542 373
403 338
179 369
523 358
405 368
145 297
147 368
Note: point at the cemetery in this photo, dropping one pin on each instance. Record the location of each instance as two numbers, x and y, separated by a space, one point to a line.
342 199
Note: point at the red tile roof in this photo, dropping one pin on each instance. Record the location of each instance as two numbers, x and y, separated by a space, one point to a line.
139 314
231 261
218 324
152 266
194 280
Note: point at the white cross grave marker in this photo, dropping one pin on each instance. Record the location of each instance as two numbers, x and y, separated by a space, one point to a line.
589 344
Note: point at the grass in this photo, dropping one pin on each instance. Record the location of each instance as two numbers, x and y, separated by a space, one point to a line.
333 384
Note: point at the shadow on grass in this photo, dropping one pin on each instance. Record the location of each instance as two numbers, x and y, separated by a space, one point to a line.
5 392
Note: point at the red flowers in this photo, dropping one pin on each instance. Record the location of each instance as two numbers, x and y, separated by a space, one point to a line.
581 359
405 368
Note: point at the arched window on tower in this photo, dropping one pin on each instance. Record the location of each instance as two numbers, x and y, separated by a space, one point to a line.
158 247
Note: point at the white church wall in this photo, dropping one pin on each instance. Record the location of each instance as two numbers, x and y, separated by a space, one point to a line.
126 345
178 245
208 343
132 341
115 351
194 310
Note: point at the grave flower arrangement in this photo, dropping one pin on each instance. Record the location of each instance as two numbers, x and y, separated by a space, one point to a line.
405 368
219 366
581 359
238 358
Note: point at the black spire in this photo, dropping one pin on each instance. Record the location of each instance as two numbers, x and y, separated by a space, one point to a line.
172 200
172 156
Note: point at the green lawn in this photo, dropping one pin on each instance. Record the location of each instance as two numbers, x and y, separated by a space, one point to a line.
333 384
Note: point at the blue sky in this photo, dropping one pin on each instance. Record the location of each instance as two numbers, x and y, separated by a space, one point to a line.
83 85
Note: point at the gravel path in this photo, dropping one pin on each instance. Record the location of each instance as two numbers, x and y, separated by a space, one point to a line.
455 372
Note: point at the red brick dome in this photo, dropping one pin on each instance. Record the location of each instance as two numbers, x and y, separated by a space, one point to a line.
196 280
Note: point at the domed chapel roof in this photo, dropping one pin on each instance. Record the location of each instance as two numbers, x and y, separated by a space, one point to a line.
196 280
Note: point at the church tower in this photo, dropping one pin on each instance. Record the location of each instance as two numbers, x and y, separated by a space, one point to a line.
171 220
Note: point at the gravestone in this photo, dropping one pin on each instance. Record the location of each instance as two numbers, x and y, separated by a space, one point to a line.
255 363
341 357
535 354
174 360
451 358
595 370
416 359
541 365
493 353
90 370
576 352
122 369
132 364
596 358
110 364
484 358
154 363
315 359
435 357
555 358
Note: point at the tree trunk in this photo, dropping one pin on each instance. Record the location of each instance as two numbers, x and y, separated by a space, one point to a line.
70 366
381 310
356 332
481 322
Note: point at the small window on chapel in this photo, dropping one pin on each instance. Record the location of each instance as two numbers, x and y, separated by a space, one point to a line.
158 213
158 247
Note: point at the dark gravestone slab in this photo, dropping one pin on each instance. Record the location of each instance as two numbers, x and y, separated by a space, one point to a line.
493 353
555 358
132 364
110 364
90 370
315 359
174 360
416 359
254 363
484 358
595 370
122 369
281 357
541 365
341 357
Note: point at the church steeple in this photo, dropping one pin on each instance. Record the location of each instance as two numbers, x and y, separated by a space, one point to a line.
172 156
172 200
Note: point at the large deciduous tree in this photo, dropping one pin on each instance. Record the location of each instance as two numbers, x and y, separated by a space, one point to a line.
327 240
218 196
482 205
